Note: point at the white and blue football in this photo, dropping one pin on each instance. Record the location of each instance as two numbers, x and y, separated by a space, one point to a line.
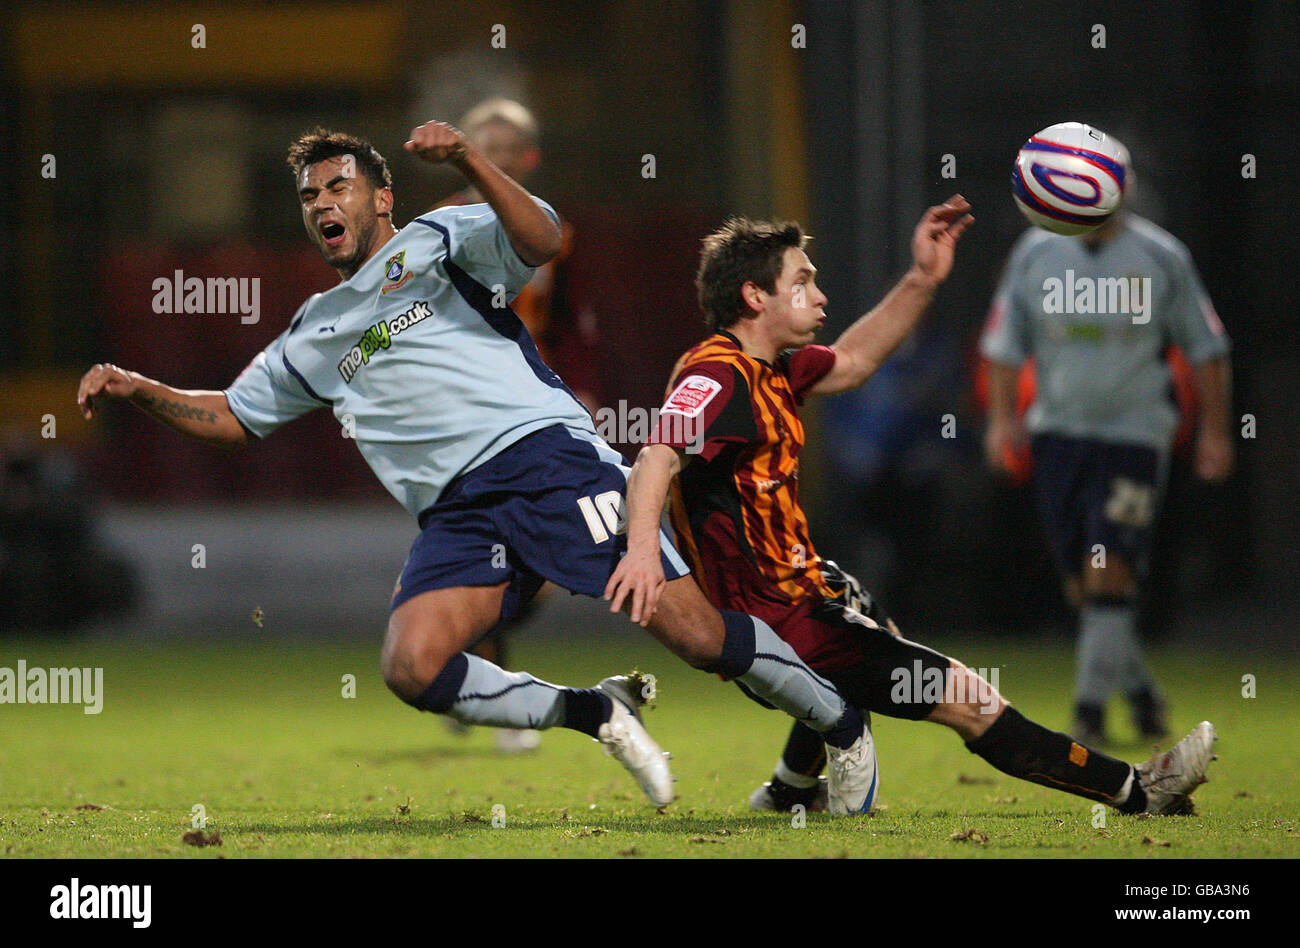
1069 178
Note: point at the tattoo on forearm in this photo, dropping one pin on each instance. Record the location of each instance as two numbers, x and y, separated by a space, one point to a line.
163 406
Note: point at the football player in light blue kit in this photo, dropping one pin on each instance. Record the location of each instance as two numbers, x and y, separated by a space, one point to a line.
1098 313
418 353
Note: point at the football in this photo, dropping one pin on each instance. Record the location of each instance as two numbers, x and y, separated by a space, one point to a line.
1069 178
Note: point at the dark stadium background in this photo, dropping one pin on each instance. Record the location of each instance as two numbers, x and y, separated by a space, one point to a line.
170 157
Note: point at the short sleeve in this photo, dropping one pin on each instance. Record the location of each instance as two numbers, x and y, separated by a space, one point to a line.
262 398
707 409
481 247
1193 324
806 367
1005 338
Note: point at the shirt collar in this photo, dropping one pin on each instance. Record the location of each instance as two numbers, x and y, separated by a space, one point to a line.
723 332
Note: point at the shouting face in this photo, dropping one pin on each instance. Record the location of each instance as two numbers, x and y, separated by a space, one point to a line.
341 211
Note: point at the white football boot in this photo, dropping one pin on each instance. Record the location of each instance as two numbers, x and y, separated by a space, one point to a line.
852 776
627 741
1170 777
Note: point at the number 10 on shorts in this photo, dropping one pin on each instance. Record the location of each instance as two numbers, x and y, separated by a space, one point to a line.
604 514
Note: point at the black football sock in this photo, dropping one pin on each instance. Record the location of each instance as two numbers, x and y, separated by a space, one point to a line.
1091 717
586 709
847 729
786 797
1017 746
1148 713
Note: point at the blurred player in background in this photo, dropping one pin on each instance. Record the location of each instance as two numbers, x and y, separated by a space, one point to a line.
734 475
507 134
1101 426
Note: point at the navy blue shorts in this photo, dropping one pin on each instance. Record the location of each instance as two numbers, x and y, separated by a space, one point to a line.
549 507
1096 492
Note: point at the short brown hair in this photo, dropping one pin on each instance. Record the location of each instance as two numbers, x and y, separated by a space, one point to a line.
738 252
322 143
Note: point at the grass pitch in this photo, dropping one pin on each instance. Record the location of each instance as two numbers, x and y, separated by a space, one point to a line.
259 734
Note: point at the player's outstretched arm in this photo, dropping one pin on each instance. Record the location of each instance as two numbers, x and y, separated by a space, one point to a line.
640 573
203 415
864 346
532 233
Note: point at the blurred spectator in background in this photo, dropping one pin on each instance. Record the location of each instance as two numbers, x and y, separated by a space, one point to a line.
1102 422
887 456
53 569
507 133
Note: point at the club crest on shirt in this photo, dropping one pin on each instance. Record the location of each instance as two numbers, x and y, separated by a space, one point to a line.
393 273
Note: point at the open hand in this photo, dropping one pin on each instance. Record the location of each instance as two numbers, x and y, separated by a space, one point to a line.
934 241
640 576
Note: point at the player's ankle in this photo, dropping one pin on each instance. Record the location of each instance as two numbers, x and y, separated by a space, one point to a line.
790 777
1089 718
846 730
785 797
1132 798
585 710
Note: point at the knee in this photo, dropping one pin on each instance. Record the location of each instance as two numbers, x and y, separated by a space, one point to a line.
697 650
690 628
1113 581
971 702
702 657
409 664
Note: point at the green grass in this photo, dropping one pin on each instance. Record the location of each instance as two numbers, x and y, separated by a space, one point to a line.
260 736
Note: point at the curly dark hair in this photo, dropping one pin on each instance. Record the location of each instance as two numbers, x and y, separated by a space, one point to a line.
738 252
321 143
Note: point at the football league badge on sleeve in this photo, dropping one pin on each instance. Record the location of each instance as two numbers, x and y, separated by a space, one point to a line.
394 276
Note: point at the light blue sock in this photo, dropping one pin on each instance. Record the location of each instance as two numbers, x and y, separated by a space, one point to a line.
768 667
475 691
1109 654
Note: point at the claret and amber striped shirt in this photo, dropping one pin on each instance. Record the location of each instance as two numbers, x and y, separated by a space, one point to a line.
735 506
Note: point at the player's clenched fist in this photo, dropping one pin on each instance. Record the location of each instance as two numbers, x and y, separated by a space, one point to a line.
105 379
437 142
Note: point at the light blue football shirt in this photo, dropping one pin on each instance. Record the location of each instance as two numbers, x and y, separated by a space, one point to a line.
419 357
1100 364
